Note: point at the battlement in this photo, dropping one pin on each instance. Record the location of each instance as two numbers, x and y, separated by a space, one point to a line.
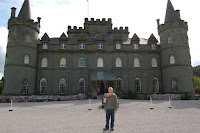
92 21
76 29
22 21
120 29
177 24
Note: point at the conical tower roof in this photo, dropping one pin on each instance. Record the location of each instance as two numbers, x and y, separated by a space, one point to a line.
171 15
25 11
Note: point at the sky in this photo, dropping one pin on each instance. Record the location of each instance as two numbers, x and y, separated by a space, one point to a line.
139 15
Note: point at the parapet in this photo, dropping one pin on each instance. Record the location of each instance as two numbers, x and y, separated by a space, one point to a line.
120 30
103 21
76 30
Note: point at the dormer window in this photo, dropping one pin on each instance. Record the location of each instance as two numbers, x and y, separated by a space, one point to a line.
45 46
153 46
118 46
63 45
135 46
100 46
82 46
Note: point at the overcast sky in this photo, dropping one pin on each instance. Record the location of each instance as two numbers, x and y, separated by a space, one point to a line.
139 15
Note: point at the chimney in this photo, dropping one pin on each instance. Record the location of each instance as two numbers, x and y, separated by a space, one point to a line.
13 12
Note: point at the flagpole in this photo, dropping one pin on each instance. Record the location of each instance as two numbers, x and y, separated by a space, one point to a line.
88 9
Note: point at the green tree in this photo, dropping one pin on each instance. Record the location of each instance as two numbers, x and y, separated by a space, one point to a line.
1 86
196 84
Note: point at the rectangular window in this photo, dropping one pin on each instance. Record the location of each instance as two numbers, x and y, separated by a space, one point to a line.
153 47
45 46
100 46
118 46
82 46
63 46
135 46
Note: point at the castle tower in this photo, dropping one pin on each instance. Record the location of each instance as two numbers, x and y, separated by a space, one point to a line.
21 56
177 73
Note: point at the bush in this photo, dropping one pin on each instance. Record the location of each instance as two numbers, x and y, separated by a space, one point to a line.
131 95
187 97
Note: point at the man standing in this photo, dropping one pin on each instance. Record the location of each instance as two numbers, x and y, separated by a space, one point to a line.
110 109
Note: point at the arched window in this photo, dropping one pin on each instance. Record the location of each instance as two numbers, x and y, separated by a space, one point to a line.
119 85
154 62
118 62
174 85
43 86
170 39
137 85
81 85
136 62
155 85
62 86
172 59
81 62
44 62
25 87
62 62
26 59
100 62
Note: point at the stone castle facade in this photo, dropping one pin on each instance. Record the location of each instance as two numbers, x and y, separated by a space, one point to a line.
89 59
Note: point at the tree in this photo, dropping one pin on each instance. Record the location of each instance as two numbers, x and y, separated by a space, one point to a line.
196 84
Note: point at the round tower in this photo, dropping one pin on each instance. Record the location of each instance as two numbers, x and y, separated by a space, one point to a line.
21 56
177 72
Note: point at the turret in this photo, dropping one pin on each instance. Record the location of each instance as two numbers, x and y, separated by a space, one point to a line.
21 56
175 54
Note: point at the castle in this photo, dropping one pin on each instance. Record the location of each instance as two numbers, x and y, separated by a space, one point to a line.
89 59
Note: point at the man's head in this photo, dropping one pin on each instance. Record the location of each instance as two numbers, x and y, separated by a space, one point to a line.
110 90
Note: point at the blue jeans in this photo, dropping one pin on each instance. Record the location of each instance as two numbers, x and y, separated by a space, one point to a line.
110 113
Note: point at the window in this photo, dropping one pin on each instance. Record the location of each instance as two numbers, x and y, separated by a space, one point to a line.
137 85
44 62
153 47
81 62
119 85
154 62
118 46
25 87
155 85
26 59
81 85
100 46
174 85
28 38
136 62
45 46
62 86
118 62
172 59
62 62
82 46
135 46
170 39
100 62
43 85
63 45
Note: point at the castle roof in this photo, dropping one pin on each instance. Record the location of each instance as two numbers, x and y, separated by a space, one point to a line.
152 39
25 11
171 14
63 37
135 37
45 37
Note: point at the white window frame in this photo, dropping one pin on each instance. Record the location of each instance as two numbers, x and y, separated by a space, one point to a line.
63 46
100 62
61 86
136 46
45 46
79 86
118 62
156 85
118 46
100 46
153 46
140 90
172 59
25 87
45 86
43 64
82 46
136 62
26 59
63 62
81 60
170 39
154 63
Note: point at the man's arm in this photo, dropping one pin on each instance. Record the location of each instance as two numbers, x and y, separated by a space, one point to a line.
115 103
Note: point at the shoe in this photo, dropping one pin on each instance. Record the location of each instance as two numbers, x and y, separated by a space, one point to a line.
106 128
112 129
